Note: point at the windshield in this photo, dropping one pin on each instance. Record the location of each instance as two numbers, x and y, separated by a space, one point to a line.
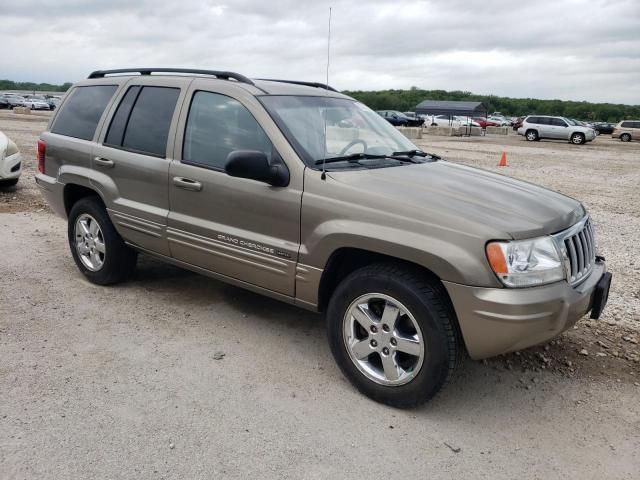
350 127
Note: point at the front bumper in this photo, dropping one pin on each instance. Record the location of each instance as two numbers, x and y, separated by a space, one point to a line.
500 320
11 166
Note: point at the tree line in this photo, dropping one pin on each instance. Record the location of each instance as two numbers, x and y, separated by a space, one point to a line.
43 87
406 100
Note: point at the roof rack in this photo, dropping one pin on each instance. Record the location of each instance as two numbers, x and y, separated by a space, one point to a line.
296 82
149 71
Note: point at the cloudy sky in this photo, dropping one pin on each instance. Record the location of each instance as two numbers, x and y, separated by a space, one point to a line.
567 49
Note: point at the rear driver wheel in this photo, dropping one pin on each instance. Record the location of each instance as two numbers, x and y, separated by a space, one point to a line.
97 248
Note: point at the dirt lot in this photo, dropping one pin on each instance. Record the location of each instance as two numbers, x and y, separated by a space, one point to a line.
174 375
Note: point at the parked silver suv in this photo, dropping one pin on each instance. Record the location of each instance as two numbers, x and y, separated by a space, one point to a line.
301 193
537 127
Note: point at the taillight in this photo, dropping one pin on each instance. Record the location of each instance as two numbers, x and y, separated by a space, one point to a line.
42 149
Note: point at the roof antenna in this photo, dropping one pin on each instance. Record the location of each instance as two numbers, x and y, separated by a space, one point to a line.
324 157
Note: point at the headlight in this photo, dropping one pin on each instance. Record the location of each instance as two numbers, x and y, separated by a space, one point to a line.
526 263
12 148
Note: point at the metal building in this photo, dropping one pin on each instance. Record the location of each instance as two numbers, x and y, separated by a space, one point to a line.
451 108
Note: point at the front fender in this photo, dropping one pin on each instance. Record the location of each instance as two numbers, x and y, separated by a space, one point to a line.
449 261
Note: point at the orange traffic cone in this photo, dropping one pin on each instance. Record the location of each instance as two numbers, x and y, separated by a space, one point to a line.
503 160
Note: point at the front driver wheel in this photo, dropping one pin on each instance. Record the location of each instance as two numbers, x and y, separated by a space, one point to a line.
531 135
577 139
625 137
393 333
97 248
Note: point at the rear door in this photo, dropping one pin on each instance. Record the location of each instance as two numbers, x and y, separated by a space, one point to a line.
133 157
239 228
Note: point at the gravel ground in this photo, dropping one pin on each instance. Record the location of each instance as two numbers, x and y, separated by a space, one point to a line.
174 375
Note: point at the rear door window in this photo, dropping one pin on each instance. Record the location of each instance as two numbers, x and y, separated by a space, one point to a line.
143 119
81 112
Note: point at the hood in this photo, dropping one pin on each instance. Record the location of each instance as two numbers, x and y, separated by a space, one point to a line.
443 192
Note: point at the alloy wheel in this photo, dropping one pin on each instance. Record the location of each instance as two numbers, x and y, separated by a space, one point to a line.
89 242
383 339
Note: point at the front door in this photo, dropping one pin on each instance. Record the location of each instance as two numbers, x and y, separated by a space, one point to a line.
558 129
240 228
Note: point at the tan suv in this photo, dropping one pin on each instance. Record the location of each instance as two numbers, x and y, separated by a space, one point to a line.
296 191
627 130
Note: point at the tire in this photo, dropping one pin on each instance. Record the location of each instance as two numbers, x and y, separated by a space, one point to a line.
625 137
577 138
531 135
425 314
9 183
116 262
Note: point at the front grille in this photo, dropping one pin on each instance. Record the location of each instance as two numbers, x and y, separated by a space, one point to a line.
579 251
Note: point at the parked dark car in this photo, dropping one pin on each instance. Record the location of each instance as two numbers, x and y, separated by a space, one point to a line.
604 127
399 119
53 102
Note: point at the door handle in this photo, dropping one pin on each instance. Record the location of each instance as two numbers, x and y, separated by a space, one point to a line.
103 162
187 184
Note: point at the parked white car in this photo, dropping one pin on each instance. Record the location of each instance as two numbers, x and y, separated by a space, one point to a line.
503 122
36 104
440 121
10 162
537 127
467 122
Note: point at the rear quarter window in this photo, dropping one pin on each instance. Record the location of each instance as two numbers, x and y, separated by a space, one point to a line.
81 112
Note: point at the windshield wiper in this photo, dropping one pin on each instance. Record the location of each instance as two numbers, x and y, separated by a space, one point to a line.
354 157
415 153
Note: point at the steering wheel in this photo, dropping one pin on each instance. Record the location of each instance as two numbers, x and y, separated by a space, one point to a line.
352 143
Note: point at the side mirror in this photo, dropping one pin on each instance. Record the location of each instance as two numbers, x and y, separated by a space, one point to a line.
254 165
